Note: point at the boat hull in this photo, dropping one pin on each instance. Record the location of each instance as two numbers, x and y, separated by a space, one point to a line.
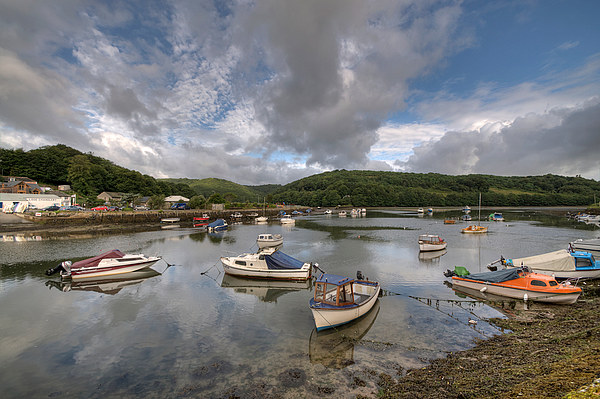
229 267
518 293
330 317
269 243
432 247
103 271
475 230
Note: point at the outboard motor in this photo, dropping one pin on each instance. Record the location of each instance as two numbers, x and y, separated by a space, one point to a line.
62 267
359 275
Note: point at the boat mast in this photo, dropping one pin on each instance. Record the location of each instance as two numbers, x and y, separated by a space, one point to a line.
479 215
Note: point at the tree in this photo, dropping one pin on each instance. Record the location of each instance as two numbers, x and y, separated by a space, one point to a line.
197 202
156 201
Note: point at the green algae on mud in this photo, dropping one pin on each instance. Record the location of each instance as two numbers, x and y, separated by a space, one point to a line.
551 352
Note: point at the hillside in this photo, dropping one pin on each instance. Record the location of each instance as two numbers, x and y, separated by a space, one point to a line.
373 188
242 193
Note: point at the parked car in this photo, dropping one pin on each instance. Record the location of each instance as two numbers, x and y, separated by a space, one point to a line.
100 208
114 208
51 208
181 205
71 208
140 208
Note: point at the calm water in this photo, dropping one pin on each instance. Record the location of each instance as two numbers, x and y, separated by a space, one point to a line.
188 333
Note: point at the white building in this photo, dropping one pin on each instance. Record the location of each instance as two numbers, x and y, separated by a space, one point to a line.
176 198
32 201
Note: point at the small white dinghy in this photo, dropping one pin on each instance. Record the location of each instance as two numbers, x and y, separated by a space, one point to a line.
431 242
339 300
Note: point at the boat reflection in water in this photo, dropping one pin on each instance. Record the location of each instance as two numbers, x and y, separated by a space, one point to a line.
432 256
110 285
501 303
334 348
265 290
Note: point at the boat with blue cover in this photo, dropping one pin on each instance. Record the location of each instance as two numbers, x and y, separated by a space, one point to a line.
339 300
217 225
267 263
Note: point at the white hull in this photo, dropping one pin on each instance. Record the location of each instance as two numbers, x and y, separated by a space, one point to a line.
432 247
333 317
102 271
262 219
265 273
268 244
516 293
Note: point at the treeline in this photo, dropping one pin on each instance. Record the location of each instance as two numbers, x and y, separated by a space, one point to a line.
88 175
372 188
209 186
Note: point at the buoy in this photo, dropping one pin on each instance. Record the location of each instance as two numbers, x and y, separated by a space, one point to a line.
525 297
484 289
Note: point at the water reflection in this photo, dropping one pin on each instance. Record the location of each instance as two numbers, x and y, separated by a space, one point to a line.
334 348
432 256
265 290
110 285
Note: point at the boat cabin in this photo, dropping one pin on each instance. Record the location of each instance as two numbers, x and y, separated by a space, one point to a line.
334 290
430 239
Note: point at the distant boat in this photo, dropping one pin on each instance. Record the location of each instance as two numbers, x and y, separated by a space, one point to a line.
261 219
339 300
496 217
431 242
476 229
560 264
430 211
217 225
342 213
327 212
591 245
420 210
170 220
467 209
236 215
287 219
268 240
449 221
466 218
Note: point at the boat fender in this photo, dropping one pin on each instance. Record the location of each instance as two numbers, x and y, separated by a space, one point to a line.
525 297
483 289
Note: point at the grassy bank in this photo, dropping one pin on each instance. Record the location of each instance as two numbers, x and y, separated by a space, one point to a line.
551 352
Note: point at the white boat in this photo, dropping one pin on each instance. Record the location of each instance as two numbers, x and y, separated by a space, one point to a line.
342 214
496 217
363 211
287 219
267 263
252 215
467 209
591 245
430 211
107 264
431 242
267 240
560 264
420 210
262 219
170 220
236 215
327 212
478 228
339 300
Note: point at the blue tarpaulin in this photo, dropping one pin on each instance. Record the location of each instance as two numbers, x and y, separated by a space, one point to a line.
279 260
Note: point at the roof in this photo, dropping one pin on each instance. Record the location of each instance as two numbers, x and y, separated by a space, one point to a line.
176 198
333 279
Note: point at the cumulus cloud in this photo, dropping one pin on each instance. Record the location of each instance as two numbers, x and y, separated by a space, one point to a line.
560 141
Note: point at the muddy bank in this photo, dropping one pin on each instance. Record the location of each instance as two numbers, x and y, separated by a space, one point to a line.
552 351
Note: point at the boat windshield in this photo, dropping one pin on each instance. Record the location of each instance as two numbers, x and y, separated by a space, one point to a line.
333 294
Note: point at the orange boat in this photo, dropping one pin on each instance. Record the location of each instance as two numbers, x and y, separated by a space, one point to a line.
474 229
449 221
520 283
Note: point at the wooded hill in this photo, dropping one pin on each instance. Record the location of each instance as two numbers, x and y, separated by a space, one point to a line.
89 175
371 188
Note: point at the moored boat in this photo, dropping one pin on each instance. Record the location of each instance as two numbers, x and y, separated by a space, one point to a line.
474 229
217 225
431 242
449 221
339 300
267 263
342 214
496 217
560 264
267 240
262 219
520 283
107 264
591 245
287 219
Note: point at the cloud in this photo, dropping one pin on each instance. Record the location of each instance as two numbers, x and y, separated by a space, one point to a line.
561 141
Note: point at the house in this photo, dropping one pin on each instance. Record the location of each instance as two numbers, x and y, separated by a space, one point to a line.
32 201
111 197
20 185
64 187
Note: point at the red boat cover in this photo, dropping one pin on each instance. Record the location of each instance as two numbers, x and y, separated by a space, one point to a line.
115 253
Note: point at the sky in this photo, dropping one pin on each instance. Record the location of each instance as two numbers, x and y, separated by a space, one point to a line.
271 91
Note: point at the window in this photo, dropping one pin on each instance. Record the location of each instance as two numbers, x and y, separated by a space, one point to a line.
319 292
240 262
582 262
538 283
553 283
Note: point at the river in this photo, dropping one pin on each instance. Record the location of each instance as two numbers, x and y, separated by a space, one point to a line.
187 330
